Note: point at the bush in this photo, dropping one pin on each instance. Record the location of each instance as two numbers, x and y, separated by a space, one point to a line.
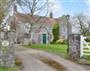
56 32
52 42
61 41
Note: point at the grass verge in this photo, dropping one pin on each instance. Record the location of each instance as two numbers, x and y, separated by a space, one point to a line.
59 49
9 69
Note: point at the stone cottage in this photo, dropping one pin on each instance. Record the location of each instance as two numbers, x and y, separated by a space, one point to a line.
36 29
40 30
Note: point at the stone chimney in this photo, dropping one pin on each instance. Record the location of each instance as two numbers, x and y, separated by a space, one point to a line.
51 14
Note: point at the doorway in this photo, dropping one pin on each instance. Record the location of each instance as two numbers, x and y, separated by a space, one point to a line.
44 39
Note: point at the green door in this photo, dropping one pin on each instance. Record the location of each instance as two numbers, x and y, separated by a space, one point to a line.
44 39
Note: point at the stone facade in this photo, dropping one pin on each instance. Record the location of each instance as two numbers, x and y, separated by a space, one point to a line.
74 46
7 49
41 31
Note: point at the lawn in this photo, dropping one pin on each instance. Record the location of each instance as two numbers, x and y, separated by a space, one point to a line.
8 69
60 49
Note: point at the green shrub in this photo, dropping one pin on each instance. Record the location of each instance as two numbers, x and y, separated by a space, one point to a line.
61 41
52 42
56 32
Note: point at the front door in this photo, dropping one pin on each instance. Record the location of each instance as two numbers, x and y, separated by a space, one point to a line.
44 39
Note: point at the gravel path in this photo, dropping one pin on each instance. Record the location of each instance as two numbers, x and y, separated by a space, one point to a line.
31 62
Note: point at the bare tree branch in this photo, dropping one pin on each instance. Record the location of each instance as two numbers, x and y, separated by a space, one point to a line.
83 23
35 8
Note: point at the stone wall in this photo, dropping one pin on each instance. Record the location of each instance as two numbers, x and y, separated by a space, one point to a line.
6 49
74 46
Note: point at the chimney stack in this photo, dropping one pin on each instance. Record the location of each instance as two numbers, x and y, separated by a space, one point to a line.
51 15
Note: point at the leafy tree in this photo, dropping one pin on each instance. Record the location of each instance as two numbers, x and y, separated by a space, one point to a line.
56 32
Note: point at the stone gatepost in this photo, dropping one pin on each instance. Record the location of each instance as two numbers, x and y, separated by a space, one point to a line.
7 48
74 46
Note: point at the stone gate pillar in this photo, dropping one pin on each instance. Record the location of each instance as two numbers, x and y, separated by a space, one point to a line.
7 48
74 46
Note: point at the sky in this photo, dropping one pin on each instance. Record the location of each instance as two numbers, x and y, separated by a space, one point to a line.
71 7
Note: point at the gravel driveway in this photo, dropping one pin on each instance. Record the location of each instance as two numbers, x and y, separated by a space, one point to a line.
31 62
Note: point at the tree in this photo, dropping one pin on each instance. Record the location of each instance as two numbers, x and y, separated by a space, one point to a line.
34 8
81 22
56 32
